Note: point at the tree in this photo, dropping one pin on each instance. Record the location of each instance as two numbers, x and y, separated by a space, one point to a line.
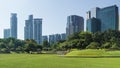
107 45
93 45
45 44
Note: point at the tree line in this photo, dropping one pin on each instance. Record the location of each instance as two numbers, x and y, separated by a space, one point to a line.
9 45
109 39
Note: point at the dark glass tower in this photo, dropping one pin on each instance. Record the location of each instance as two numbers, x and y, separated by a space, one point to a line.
108 17
74 24
93 25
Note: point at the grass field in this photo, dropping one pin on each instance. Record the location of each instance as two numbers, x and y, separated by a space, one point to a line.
55 61
94 53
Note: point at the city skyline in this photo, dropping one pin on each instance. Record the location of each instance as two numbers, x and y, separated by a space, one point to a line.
52 12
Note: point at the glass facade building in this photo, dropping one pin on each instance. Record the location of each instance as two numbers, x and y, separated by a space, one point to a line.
13 25
93 25
37 30
33 29
74 24
28 29
6 33
108 17
119 22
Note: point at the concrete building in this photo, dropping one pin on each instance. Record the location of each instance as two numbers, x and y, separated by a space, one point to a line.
13 25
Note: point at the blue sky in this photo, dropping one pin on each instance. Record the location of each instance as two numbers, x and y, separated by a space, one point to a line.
53 12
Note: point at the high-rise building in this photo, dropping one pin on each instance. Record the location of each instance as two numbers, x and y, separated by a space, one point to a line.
93 25
119 22
28 29
37 31
74 24
44 38
63 36
33 29
6 33
57 37
51 39
108 17
13 25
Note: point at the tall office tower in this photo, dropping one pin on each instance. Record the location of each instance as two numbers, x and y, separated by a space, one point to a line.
74 24
44 38
119 22
63 36
6 33
37 30
28 29
13 25
108 17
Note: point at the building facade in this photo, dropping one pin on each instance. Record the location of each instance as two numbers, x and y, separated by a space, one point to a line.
63 36
13 25
93 25
119 22
33 29
74 24
108 17
6 33
37 30
51 39
44 38
28 29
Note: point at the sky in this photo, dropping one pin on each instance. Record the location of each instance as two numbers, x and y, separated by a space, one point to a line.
53 12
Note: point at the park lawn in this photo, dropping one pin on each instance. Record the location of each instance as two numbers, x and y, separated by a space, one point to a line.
93 53
55 61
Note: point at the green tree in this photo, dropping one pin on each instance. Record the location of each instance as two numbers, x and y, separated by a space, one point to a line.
93 45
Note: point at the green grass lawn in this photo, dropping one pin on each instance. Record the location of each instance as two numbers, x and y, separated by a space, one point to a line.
55 61
94 53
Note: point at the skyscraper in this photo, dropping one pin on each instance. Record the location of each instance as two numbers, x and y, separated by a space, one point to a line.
13 25
33 29
28 29
74 24
6 33
37 32
108 17
119 22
